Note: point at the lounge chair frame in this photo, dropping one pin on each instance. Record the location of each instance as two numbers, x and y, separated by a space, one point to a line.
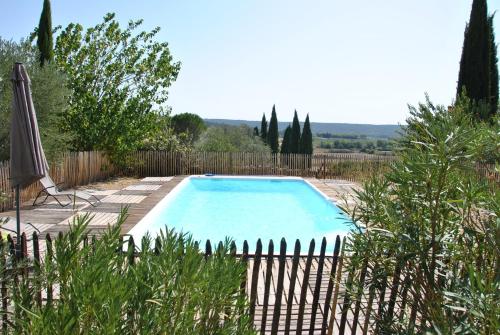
46 191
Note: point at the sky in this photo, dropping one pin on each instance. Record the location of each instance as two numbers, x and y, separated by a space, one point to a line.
360 61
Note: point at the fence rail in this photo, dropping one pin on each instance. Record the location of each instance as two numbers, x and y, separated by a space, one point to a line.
81 168
287 294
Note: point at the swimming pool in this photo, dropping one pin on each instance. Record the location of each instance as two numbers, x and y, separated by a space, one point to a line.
247 208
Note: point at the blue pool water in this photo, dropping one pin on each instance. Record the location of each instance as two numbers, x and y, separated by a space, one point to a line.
247 208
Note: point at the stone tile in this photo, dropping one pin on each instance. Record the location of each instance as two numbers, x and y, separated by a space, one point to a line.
143 187
124 199
155 179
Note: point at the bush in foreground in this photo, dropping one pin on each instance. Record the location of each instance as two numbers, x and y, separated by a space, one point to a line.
433 216
170 288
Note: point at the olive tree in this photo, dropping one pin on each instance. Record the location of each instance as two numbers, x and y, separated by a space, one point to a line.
49 92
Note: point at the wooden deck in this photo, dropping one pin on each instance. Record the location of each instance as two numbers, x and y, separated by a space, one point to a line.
351 315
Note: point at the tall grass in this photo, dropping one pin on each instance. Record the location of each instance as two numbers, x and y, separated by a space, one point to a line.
101 287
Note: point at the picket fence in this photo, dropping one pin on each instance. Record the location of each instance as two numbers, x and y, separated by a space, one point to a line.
288 294
82 168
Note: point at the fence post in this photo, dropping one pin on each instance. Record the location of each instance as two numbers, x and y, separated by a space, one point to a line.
331 283
338 278
48 240
208 249
267 285
317 288
279 288
291 289
3 251
303 291
255 279
131 251
36 258
359 294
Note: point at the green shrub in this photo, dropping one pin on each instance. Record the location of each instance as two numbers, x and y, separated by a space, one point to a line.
170 289
230 139
433 214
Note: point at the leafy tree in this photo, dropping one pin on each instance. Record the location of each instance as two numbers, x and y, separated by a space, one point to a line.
478 62
230 139
273 134
295 137
118 80
50 98
163 137
306 140
287 137
44 34
191 125
263 128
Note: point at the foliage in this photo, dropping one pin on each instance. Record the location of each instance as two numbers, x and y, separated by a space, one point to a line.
163 137
382 131
49 93
295 137
171 289
306 140
273 134
437 218
287 137
44 33
118 80
188 125
493 69
478 64
367 146
343 136
256 131
263 128
230 139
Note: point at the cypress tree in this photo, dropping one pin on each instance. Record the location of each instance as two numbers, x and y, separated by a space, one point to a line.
287 137
295 137
273 134
306 141
263 128
44 41
493 70
255 131
477 64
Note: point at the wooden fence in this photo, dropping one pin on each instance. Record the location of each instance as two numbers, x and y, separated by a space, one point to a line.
81 168
352 167
287 293
73 169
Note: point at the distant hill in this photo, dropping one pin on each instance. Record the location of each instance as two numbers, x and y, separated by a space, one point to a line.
370 130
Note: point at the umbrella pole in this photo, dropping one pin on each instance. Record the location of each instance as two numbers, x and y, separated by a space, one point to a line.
18 223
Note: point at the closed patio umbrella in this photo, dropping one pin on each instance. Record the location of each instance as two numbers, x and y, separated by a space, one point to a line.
27 159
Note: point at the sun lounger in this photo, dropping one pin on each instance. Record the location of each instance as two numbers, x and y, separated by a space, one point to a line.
50 189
